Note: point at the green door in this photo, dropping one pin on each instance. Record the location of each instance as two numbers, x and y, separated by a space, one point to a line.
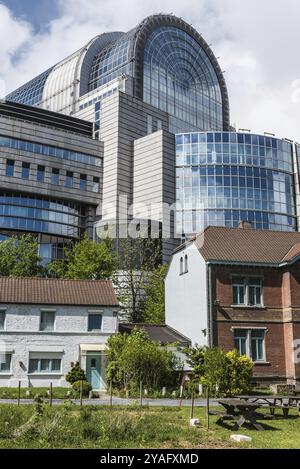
93 370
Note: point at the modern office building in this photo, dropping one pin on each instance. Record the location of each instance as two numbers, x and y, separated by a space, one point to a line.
51 175
141 88
227 177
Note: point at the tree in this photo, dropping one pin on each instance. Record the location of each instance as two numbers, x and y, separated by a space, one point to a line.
154 305
137 259
19 257
86 260
136 358
226 374
75 374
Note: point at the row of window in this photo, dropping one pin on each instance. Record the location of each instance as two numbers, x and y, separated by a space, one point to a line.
251 342
55 176
47 321
47 150
36 365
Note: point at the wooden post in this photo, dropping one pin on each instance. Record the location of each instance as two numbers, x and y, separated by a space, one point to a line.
51 394
193 403
19 393
141 393
81 386
207 407
111 393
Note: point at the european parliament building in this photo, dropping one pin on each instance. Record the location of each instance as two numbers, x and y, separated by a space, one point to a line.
141 116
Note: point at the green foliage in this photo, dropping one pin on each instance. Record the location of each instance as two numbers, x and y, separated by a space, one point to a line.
226 374
136 358
75 374
137 260
86 387
19 257
154 305
86 260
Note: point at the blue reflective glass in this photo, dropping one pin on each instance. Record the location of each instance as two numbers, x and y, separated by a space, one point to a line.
32 92
47 150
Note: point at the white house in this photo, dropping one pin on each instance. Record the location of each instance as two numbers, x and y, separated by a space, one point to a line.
46 324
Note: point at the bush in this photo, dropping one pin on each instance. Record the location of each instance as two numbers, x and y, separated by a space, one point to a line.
86 387
75 374
226 374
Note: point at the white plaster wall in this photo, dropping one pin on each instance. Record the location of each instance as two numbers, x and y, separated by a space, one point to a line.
21 336
186 296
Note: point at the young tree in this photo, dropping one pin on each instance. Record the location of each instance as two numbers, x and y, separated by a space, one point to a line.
19 257
86 260
154 305
136 358
137 260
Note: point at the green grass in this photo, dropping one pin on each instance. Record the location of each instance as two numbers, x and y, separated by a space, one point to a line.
12 393
68 426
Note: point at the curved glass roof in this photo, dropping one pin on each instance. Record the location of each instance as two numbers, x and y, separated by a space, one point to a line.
32 92
112 62
180 79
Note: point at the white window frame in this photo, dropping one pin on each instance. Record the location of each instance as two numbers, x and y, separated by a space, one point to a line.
46 372
7 372
249 341
53 311
246 286
3 311
93 313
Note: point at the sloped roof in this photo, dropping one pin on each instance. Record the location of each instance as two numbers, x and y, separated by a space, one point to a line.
159 332
57 291
248 245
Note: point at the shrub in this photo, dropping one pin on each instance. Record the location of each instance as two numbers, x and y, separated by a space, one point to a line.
86 387
75 374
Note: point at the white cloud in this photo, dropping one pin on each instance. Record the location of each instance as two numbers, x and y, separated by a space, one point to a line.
257 43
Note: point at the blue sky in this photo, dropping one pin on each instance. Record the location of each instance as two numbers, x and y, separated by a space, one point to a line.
256 42
38 12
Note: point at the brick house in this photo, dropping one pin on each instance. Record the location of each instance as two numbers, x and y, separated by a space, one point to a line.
46 324
240 288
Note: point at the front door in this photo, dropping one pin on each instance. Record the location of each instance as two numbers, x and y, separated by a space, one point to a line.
93 370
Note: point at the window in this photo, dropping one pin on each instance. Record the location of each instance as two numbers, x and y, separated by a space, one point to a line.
96 184
186 265
250 342
181 265
159 124
247 291
82 183
40 175
2 320
44 365
10 166
55 176
47 320
69 179
25 170
95 322
149 124
5 362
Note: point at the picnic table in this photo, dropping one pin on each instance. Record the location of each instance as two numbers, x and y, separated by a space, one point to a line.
285 403
241 411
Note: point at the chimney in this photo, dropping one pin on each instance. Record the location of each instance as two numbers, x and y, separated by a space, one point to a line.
245 225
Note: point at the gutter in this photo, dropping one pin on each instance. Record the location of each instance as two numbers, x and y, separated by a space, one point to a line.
209 307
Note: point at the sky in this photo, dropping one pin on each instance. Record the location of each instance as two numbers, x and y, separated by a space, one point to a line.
256 42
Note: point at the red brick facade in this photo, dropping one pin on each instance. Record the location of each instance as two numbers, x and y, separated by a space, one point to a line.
279 317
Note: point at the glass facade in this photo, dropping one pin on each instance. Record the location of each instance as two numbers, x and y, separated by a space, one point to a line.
32 92
47 150
225 178
111 62
180 79
41 215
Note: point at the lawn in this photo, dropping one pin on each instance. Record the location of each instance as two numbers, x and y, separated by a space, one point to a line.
68 426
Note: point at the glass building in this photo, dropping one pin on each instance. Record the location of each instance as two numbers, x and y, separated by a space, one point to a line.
167 62
225 178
